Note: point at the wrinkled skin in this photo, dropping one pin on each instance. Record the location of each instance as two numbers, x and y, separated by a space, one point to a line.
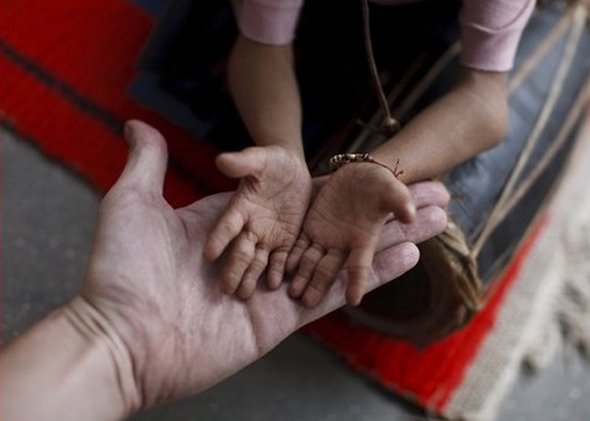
263 218
342 228
149 280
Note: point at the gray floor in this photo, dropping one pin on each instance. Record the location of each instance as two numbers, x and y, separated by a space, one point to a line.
47 223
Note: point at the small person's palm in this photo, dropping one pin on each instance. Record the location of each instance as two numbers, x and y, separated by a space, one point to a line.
342 227
263 218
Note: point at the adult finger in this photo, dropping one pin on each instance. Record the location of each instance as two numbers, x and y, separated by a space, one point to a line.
147 158
207 209
426 193
429 221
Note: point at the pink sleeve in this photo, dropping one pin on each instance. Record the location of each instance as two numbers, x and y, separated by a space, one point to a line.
268 21
491 30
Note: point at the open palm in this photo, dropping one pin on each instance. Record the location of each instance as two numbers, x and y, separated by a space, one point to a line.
343 227
147 277
263 218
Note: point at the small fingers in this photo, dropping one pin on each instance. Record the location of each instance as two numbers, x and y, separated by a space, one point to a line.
229 227
389 264
430 221
294 258
323 278
253 273
309 261
359 264
276 268
393 262
238 261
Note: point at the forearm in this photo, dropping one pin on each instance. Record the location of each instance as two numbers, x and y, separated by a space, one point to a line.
67 367
263 84
471 118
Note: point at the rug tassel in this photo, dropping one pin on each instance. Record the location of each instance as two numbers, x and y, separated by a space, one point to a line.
574 308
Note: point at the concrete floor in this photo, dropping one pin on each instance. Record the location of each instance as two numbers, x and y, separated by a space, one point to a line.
47 222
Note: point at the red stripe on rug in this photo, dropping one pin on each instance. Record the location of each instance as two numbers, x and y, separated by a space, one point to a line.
430 375
72 136
92 46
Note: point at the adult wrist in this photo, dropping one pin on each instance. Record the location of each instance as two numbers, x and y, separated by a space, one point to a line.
108 355
70 365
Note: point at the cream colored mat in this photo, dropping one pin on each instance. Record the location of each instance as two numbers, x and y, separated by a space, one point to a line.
551 295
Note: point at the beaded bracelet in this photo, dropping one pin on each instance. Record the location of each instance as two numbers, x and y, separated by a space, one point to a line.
338 161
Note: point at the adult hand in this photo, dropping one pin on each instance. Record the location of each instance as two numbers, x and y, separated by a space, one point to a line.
146 276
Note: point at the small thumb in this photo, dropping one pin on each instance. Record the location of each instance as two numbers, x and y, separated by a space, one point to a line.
250 161
147 158
399 201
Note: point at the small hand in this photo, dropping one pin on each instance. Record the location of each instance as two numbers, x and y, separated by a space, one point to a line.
343 227
263 218
147 278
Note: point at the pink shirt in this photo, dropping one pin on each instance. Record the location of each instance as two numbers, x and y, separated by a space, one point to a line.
490 29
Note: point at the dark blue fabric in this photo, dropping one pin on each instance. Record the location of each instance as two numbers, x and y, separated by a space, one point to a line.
479 181
153 7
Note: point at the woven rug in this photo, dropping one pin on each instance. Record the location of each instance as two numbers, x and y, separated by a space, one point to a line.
66 70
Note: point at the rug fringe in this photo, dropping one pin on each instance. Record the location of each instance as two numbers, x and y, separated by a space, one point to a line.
570 324
574 307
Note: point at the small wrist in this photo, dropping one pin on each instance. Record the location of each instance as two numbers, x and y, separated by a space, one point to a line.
294 150
296 156
340 160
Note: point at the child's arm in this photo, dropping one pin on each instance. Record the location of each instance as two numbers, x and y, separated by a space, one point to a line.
264 87
343 223
265 214
469 119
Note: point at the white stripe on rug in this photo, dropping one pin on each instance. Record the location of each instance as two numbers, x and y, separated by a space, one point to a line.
552 288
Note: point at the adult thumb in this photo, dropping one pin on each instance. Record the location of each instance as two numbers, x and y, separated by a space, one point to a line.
147 158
